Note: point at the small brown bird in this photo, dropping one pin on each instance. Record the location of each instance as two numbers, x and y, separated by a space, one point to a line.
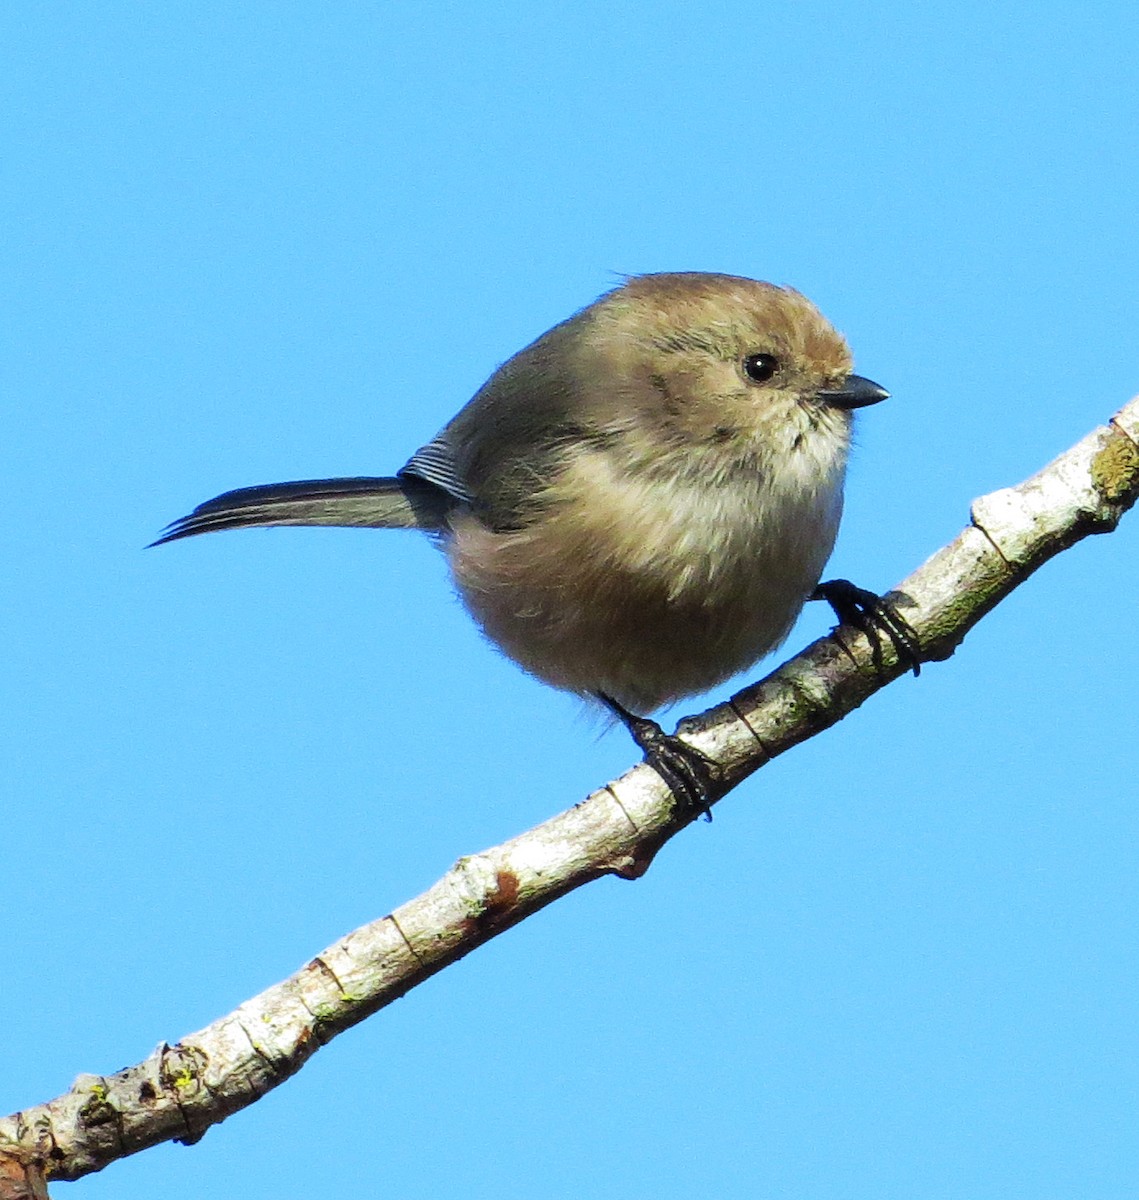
637 505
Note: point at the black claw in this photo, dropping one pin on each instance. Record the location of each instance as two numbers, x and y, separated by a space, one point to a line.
870 614
692 776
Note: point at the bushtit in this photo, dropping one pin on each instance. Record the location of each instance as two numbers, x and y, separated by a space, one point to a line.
637 505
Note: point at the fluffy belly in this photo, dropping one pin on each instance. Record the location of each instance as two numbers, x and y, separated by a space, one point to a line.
643 604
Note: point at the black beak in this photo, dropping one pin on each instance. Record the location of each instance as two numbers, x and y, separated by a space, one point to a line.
856 392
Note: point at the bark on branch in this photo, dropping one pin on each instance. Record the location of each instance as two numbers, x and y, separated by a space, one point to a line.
179 1091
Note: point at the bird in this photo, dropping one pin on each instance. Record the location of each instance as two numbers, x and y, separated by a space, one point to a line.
637 505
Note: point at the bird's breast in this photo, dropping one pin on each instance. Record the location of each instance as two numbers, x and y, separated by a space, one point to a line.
648 585
706 531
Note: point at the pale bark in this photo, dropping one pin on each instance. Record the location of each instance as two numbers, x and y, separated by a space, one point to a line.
179 1091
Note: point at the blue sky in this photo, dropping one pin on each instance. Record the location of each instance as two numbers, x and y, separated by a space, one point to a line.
273 241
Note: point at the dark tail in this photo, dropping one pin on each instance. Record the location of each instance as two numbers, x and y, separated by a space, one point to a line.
384 503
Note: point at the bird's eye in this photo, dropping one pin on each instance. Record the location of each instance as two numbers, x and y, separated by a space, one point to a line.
759 368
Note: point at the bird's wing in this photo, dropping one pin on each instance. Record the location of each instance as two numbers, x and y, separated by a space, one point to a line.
436 464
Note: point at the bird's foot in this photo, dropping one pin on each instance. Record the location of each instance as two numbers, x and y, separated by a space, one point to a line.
874 616
692 777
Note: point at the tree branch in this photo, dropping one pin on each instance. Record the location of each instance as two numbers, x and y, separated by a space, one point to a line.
179 1091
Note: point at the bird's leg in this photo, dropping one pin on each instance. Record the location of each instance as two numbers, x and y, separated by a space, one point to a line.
872 615
690 774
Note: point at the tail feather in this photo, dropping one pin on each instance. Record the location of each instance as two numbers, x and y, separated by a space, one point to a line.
380 503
